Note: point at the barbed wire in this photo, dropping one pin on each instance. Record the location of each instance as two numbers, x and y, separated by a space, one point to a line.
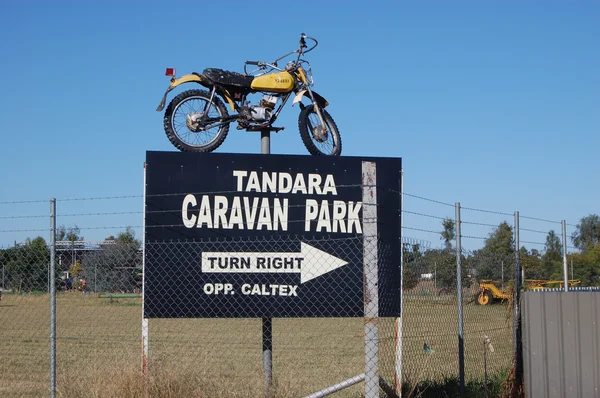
99 198
428 200
486 211
26 230
102 214
14 217
479 223
16 202
421 230
235 191
539 219
532 230
423 215
531 243
473 237
111 227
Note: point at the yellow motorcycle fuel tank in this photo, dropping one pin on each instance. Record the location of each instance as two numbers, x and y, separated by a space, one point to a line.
279 82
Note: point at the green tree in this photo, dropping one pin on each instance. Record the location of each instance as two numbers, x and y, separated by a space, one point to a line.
411 256
27 266
448 234
498 252
71 234
552 258
501 242
444 262
531 262
586 265
587 233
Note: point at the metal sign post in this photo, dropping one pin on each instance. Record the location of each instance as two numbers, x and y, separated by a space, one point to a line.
267 323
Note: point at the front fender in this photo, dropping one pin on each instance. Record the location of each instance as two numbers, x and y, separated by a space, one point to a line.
193 77
322 102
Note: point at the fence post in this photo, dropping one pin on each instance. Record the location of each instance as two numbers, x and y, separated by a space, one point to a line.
398 368
52 283
371 293
461 341
517 310
565 264
267 323
145 330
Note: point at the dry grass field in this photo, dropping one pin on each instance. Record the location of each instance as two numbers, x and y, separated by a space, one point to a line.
99 349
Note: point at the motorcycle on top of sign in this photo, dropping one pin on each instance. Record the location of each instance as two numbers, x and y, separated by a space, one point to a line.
198 120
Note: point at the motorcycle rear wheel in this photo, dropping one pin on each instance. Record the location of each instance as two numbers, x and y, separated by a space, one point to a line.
317 143
183 125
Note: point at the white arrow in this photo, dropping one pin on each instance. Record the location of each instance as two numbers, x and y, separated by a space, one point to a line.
310 262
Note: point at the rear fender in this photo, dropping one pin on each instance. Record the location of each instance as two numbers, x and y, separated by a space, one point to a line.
191 78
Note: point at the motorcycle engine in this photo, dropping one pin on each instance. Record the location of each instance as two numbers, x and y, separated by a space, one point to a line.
260 113
263 112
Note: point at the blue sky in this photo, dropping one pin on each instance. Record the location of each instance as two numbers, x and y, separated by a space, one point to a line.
495 105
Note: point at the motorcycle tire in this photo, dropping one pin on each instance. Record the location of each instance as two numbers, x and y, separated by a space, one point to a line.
310 141
179 138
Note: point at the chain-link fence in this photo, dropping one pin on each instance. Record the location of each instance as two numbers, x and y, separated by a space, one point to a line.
100 313
430 315
101 318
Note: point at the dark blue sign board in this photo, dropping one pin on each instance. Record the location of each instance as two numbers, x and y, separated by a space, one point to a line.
245 236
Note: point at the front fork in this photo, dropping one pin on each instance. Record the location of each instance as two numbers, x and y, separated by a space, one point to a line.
316 107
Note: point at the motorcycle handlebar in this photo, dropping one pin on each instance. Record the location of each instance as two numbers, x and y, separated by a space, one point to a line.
303 45
257 63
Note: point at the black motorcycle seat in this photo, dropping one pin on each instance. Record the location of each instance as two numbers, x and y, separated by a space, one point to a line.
227 78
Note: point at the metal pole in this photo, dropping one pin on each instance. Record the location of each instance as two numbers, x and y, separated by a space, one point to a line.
461 340
502 275
52 298
337 387
572 276
517 283
267 323
398 367
145 329
565 264
517 309
267 346
370 272
265 141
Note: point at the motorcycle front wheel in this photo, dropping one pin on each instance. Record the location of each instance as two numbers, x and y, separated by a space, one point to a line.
319 140
191 126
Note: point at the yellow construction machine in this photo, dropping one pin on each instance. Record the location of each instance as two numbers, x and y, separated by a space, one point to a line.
490 290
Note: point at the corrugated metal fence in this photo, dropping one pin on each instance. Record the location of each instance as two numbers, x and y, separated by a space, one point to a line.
561 342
